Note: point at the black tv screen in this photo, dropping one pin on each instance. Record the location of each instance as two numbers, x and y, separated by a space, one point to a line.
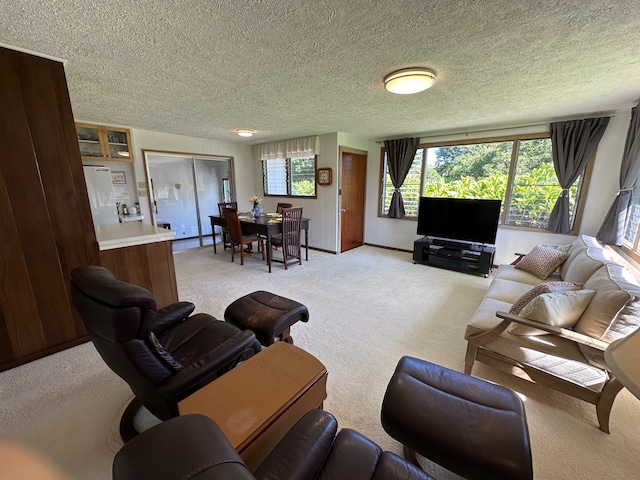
471 220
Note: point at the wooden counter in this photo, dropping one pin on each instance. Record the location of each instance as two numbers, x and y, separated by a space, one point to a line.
140 254
129 234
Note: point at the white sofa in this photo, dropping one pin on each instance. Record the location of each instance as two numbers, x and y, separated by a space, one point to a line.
570 360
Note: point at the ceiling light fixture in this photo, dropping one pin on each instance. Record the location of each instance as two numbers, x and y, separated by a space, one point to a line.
409 80
245 132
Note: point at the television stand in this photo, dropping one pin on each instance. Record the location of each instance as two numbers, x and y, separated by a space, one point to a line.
454 255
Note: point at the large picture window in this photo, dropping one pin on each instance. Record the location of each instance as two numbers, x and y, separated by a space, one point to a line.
517 170
290 177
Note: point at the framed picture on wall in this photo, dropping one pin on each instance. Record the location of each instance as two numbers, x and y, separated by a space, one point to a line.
324 176
118 177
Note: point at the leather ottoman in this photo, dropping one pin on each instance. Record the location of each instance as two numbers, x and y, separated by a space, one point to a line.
469 426
266 314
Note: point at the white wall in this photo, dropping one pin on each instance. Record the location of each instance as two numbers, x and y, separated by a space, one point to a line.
320 211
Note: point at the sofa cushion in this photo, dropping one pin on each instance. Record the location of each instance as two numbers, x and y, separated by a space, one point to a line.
509 272
540 289
559 309
581 243
584 264
542 261
573 254
507 290
606 303
614 311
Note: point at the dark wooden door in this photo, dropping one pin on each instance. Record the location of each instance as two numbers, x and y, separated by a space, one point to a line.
45 219
352 200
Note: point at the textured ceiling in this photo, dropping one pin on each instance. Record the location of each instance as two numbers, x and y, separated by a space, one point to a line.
292 68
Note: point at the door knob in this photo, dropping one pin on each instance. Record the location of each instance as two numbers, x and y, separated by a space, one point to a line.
343 210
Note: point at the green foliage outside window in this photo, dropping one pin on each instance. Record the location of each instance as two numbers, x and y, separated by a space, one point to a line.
482 171
290 177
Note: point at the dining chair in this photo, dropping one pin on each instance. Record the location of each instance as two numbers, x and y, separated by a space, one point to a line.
279 209
290 241
237 238
225 232
280 206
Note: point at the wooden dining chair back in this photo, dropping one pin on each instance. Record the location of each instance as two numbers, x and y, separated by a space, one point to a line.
291 237
238 239
225 232
281 206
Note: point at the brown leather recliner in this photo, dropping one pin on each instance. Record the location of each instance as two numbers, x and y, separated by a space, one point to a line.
193 447
163 354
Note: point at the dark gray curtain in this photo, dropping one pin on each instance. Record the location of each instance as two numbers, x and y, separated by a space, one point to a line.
612 229
572 144
400 155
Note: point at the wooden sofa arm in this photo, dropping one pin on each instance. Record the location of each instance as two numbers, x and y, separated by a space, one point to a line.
560 332
520 257
477 340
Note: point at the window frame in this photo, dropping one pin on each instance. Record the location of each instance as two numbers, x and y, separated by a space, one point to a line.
628 248
288 182
506 201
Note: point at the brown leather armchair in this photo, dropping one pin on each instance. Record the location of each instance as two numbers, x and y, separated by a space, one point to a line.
194 447
163 354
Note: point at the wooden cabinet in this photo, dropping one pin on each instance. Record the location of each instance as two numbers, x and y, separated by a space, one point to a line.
149 266
45 219
98 142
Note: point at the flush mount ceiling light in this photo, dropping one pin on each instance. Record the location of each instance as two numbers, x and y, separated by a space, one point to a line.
245 132
409 80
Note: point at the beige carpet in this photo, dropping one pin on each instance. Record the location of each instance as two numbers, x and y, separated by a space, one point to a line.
368 307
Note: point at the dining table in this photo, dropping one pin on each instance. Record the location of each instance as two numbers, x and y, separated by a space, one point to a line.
265 225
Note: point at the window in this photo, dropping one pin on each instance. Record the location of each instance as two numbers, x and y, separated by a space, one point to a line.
226 189
517 170
290 177
631 238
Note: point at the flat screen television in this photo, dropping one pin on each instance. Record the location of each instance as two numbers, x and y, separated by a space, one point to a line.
470 220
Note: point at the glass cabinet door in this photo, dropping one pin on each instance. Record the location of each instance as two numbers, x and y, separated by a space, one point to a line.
118 144
89 141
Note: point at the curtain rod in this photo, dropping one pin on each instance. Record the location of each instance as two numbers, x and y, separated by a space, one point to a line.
488 130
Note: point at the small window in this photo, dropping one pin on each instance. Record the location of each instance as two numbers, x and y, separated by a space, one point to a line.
290 177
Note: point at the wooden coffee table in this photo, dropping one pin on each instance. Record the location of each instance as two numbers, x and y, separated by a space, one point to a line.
257 402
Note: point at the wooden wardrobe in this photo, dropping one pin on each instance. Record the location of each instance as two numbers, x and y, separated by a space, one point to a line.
45 219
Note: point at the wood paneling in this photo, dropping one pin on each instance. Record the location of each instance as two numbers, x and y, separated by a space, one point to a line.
150 266
45 219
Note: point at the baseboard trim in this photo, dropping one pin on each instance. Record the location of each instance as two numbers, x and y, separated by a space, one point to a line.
322 250
389 248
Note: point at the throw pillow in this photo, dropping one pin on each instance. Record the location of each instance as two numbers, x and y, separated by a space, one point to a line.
542 261
542 288
559 309
162 352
